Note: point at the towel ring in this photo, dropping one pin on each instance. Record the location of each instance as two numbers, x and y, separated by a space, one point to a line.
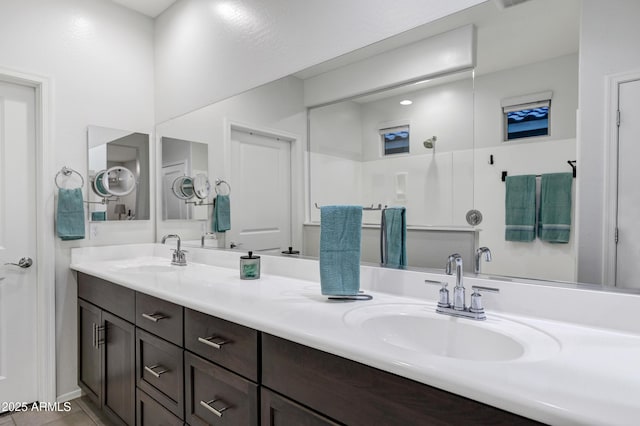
220 182
67 171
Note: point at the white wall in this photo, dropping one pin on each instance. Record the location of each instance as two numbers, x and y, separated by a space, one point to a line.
540 155
609 35
99 57
277 106
205 53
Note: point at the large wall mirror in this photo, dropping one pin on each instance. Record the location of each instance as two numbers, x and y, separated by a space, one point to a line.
457 153
119 177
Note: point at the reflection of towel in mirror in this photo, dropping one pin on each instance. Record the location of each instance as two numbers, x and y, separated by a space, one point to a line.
520 208
394 237
70 214
555 207
340 235
221 220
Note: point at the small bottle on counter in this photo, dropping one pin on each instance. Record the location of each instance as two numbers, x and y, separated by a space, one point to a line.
249 267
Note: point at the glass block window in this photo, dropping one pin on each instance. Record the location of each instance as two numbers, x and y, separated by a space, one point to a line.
395 140
526 116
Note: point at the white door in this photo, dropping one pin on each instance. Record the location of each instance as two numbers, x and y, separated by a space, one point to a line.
628 220
18 379
261 192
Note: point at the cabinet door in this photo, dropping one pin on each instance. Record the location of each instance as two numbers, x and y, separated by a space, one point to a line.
89 350
119 375
280 411
216 396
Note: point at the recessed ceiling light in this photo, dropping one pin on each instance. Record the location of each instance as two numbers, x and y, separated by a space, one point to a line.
406 102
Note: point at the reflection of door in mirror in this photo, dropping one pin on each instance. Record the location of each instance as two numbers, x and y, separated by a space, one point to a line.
261 204
182 158
109 148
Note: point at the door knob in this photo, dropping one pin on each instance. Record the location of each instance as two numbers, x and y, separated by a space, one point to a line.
25 262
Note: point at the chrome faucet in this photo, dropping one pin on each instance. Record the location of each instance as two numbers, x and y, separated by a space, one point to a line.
179 257
487 257
458 308
458 290
209 235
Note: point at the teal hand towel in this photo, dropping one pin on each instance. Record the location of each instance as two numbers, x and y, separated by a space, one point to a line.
340 235
70 214
221 220
394 237
520 208
555 207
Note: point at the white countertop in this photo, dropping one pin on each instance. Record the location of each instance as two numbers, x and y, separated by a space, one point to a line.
592 378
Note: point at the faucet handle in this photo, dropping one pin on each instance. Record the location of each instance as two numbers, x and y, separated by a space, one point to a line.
443 294
476 298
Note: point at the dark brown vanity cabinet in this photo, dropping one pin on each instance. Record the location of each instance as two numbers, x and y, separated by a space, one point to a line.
356 394
106 347
193 368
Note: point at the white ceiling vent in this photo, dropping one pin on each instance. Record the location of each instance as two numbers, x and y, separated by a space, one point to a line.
504 4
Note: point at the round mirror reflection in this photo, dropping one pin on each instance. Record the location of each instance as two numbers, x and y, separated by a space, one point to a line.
201 186
182 187
118 181
98 186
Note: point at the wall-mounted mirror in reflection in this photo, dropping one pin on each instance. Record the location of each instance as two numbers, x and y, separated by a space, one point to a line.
119 170
184 173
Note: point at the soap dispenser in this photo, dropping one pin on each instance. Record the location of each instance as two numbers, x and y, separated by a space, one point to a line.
249 267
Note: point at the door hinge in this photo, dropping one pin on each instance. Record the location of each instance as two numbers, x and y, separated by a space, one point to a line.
618 118
615 236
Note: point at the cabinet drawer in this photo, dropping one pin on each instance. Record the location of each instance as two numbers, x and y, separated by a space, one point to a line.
332 385
111 297
151 413
215 396
231 345
277 410
159 317
159 371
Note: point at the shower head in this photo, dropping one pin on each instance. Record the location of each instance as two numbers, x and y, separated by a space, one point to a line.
430 143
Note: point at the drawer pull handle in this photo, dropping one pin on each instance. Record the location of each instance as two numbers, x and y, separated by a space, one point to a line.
156 374
209 341
209 406
155 317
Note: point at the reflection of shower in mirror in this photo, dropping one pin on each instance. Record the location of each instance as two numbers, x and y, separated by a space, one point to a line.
430 143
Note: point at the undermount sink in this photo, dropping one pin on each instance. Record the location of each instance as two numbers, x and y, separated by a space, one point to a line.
417 328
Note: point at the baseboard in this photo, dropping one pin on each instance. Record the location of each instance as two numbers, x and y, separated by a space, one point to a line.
70 395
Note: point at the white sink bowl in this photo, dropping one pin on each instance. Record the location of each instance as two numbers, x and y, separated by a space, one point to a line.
417 328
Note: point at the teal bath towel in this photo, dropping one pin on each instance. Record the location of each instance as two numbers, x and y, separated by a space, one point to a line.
340 235
394 237
520 208
554 225
70 214
221 220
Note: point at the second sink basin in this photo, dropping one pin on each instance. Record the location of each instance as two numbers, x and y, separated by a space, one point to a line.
418 328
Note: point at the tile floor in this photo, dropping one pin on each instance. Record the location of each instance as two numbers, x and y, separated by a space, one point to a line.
82 413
